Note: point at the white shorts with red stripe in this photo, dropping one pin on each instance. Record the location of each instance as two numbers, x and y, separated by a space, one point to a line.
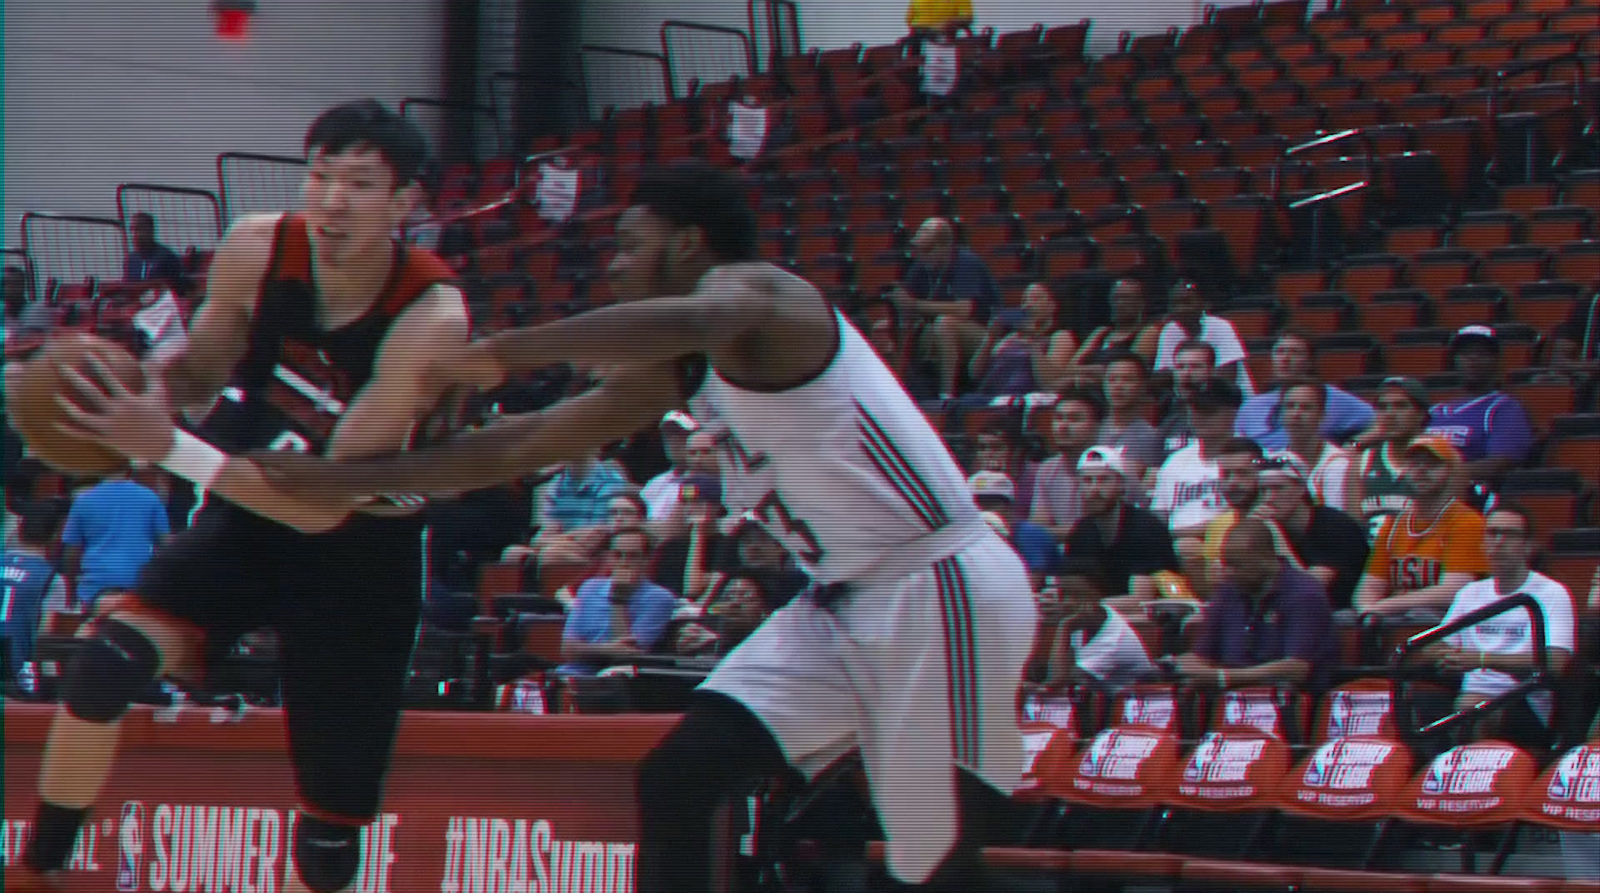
917 668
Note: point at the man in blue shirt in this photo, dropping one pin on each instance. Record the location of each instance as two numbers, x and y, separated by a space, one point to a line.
1293 359
995 492
580 495
618 617
1490 427
26 575
950 286
112 530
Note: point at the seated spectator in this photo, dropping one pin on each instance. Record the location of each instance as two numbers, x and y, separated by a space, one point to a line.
1187 320
661 492
1490 427
1130 544
112 530
1491 654
580 546
1575 343
1376 485
750 551
1074 423
686 560
999 448
938 18
1127 391
1129 331
27 577
994 492
1322 541
1091 641
1023 351
21 313
580 495
737 608
1268 624
1194 369
1424 555
951 288
1293 356
617 617
1301 413
149 260
1186 486
1238 464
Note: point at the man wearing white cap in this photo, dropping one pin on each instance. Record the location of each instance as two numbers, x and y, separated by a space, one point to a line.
660 494
1490 427
1129 543
1325 542
995 493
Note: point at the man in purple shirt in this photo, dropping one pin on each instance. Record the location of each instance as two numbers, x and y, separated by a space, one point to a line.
1268 624
1488 426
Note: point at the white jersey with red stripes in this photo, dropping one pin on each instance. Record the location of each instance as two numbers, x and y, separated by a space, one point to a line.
844 468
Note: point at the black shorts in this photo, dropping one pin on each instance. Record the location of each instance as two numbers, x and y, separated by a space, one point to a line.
345 606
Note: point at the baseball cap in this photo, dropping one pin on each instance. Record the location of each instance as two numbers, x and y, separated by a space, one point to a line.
1103 458
992 484
1479 333
1413 389
1439 447
681 420
1286 465
1216 393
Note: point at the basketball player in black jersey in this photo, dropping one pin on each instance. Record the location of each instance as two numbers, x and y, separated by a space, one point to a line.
315 332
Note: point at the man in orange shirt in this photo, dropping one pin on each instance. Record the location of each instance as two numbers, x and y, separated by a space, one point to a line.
1430 550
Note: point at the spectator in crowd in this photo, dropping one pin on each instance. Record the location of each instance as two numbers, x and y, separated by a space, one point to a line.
1089 640
27 578
1491 654
1024 351
566 556
701 452
149 260
21 314
1267 624
1490 427
684 562
1194 368
933 19
1129 543
999 448
1128 330
754 553
1301 412
1188 321
1424 555
1075 420
1186 486
660 493
1238 464
112 530
951 288
737 608
1127 387
1575 343
619 616
1293 359
580 494
1376 485
1323 541
996 493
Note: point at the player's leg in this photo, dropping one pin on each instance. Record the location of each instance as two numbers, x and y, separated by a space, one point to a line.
780 699
195 586
348 628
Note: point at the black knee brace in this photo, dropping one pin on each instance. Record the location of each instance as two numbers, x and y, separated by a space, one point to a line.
326 855
109 672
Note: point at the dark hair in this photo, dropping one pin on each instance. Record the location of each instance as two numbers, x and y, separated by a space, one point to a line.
1300 335
1088 397
1092 571
1237 446
368 122
1007 427
1320 388
699 195
1123 355
1197 344
1529 526
41 520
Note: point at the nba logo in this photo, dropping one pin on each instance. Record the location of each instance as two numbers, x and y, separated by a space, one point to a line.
1317 772
1339 715
1561 780
130 846
1203 755
1433 782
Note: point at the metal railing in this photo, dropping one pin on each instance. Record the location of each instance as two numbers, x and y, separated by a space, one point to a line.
1321 142
1580 81
69 248
1316 203
619 78
184 217
252 184
774 31
1538 679
709 54
443 120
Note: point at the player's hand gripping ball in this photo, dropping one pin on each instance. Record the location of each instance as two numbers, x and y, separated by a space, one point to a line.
34 385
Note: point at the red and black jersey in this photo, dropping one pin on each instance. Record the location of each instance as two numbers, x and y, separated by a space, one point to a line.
298 379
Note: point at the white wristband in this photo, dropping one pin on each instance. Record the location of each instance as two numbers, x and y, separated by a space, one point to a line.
194 460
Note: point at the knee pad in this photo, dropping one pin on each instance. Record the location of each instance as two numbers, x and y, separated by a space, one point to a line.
326 855
109 672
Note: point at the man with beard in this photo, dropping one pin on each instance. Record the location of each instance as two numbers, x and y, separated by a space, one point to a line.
1376 485
1325 542
1302 409
1129 543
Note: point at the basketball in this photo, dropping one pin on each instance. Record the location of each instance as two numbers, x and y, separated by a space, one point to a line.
31 388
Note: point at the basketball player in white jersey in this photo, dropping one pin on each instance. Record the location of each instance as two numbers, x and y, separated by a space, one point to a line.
910 650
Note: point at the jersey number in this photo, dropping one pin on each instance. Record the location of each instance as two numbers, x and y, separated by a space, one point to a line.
290 442
772 511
